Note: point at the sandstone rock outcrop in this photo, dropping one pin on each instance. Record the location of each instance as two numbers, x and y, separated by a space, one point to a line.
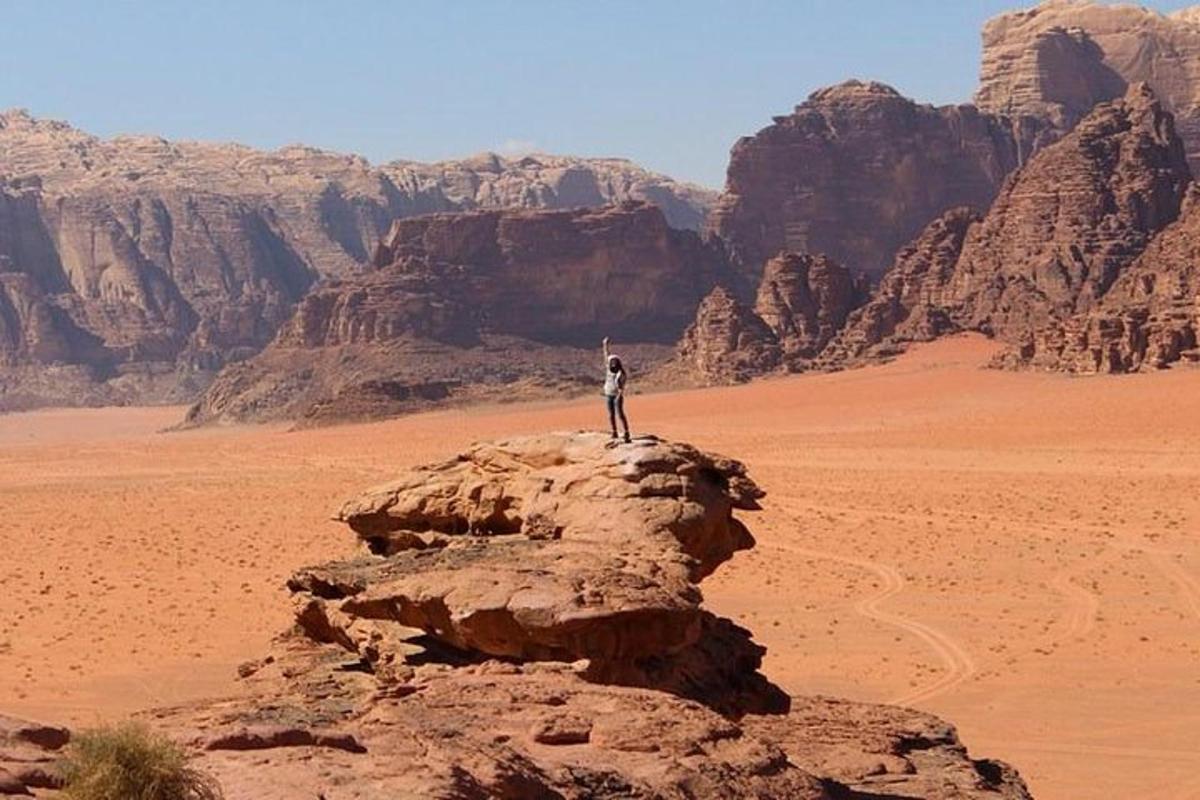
1062 231
541 180
906 306
28 752
728 342
1060 58
801 303
568 657
486 301
805 300
858 170
150 264
1149 319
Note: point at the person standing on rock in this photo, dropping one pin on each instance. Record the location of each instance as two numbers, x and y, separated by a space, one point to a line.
614 390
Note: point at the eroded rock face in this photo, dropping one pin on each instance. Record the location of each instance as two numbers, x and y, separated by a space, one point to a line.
858 170
541 180
617 536
1150 317
522 564
28 752
1061 58
1063 230
476 302
1072 221
155 263
907 306
728 342
805 301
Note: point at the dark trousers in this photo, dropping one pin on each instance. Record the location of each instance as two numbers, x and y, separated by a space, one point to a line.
616 405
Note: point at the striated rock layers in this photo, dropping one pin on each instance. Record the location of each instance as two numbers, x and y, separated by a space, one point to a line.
526 623
133 268
1149 319
505 302
802 302
1062 231
858 170
1061 58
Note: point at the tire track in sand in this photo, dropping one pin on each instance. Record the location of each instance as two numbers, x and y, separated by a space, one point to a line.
958 663
1189 587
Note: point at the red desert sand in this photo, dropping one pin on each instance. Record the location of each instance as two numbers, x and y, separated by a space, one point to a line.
1016 552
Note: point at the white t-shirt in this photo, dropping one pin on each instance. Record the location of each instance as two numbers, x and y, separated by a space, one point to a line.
613 381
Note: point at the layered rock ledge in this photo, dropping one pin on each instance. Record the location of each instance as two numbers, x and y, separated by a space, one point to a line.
525 622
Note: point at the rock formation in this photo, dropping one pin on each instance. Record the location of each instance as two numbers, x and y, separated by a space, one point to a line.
728 342
526 624
906 306
476 302
540 180
147 264
1149 319
858 170
1062 57
805 301
28 753
802 302
1063 229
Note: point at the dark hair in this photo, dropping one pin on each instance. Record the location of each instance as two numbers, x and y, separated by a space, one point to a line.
617 361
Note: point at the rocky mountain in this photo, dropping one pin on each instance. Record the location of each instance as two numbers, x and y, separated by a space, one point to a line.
907 306
1064 229
541 180
727 342
1148 319
802 302
497 302
135 267
524 621
858 170
1062 57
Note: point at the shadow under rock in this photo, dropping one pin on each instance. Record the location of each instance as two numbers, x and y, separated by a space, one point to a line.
719 671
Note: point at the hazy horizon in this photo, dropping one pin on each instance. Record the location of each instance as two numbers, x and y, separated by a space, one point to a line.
669 87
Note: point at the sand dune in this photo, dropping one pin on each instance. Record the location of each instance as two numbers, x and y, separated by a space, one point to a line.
1016 552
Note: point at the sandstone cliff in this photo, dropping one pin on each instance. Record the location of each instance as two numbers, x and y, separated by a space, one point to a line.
1149 319
802 302
511 302
149 264
1062 231
1062 57
858 170
727 342
525 622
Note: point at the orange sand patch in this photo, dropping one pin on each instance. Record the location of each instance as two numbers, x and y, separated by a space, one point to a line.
1019 553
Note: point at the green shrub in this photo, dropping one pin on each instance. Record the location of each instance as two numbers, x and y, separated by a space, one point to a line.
128 762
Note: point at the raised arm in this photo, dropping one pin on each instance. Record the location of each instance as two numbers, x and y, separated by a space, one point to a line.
605 344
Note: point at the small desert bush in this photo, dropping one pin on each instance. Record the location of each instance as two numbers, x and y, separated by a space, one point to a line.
129 762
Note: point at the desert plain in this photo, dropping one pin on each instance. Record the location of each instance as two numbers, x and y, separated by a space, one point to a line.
1016 552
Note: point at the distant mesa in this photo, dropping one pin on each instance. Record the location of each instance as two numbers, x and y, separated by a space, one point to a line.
136 268
475 305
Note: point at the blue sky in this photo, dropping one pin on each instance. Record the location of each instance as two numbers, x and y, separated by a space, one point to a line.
670 84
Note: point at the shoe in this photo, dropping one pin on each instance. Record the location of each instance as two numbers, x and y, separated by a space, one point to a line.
627 439
613 437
